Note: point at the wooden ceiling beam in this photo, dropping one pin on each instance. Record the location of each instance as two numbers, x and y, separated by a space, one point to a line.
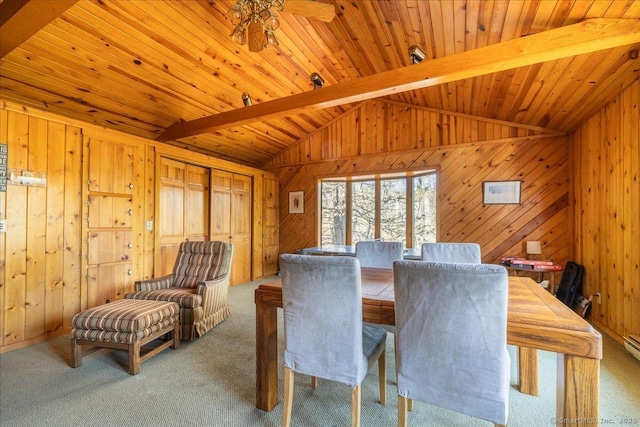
585 37
20 19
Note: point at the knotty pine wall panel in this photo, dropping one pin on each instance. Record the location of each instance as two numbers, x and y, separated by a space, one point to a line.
382 136
381 126
606 164
41 248
42 279
501 230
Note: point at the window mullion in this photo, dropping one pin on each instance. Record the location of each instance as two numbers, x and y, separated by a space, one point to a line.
378 202
348 213
409 222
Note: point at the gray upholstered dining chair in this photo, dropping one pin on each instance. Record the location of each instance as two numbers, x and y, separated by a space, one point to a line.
375 254
323 330
451 252
451 337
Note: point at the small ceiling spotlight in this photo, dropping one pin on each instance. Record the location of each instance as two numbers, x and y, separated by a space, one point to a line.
317 80
416 54
246 99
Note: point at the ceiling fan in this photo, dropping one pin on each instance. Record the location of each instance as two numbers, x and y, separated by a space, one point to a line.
256 20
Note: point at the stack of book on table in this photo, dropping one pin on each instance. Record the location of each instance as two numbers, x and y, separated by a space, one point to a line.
529 264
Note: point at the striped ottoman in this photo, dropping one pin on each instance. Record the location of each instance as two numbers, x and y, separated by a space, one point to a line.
127 324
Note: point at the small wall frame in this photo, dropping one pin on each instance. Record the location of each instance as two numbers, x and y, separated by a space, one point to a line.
296 202
501 192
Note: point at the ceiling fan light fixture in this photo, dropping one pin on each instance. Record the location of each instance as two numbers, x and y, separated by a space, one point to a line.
271 23
270 39
247 13
234 14
317 80
416 54
239 34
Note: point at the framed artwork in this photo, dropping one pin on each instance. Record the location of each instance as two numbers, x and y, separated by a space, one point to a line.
296 202
501 192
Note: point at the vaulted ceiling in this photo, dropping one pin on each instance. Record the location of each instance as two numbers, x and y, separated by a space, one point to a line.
143 67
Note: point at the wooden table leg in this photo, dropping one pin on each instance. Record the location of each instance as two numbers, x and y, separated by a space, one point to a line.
528 370
577 391
266 355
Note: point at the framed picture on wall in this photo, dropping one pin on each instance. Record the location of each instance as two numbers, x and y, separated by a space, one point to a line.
296 202
501 192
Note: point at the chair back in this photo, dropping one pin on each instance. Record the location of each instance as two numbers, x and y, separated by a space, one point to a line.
374 254
201 261
451 336
451 252
322 304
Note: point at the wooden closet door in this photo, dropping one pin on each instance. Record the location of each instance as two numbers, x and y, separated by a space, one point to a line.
241 229
113 215
271 221
183 211
231 219
221 205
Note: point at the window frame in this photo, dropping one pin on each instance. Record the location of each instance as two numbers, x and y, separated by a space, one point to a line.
378 177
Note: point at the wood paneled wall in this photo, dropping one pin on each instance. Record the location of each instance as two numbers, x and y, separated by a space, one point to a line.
42 279
40 252
606 158
380 126
398 137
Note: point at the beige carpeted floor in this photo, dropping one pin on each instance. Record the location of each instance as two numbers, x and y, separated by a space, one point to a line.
211 382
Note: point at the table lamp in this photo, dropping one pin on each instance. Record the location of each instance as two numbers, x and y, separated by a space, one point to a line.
534 248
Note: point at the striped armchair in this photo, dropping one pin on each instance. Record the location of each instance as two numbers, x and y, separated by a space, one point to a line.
199 284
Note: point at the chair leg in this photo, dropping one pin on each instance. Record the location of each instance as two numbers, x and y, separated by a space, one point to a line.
76 354
382 377
314 382
409 404
355 406
402 411
288 397
500 425
134 358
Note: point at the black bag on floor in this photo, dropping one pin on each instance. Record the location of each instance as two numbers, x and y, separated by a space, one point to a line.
571 284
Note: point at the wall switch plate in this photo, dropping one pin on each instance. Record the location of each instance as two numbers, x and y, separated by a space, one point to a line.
3 225
149 225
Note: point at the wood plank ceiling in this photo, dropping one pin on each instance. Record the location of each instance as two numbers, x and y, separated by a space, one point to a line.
143 66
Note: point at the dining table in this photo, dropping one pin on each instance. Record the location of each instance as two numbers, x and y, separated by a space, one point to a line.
536 320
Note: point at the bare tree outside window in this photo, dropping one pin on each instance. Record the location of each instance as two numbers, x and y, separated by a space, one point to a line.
363 208
424 209
334 213
393 210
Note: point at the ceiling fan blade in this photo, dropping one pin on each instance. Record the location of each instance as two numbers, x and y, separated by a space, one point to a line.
256 37
311 9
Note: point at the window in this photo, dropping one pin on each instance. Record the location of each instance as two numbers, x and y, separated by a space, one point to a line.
424 209
393 210
363 210
388 207
334 211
